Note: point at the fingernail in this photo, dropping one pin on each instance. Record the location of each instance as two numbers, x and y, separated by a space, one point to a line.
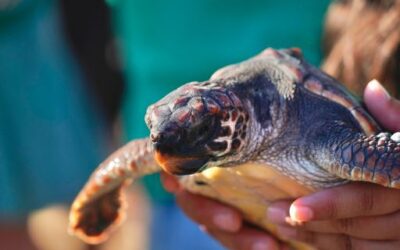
276 215
225 221
263 245
300 213
376 86
286 232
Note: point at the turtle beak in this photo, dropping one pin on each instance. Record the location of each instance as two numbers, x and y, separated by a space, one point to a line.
179 151
180 165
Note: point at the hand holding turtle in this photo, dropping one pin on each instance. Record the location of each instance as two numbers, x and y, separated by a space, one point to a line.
357 215
223 222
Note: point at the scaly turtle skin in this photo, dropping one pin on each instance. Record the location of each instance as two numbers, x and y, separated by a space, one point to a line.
272 127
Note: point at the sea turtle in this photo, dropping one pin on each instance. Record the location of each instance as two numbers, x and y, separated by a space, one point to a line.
272 127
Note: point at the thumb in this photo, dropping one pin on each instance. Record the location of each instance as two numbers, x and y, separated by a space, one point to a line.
382 106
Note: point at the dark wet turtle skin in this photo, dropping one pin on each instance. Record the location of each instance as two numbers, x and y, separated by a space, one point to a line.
271 127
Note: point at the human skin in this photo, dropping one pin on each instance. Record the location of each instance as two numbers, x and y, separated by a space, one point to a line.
352 216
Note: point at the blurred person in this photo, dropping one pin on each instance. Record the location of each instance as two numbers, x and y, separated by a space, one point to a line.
167 43
59 100
362 42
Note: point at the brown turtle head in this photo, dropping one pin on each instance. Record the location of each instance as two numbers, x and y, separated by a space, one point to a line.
224 121
196 125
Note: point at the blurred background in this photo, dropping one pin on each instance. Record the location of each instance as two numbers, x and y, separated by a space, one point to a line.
60 95
76 78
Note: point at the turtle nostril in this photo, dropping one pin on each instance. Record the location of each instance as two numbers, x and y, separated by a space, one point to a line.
159 137
154 137
169 137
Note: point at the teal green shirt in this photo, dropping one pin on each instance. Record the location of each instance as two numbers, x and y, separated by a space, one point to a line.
166 43
51 137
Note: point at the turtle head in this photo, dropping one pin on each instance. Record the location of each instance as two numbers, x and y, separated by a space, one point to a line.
196 126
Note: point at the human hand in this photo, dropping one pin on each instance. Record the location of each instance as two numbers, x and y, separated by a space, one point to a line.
353 216
221 221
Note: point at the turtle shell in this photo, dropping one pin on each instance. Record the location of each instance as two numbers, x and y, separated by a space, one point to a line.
311 79
328 88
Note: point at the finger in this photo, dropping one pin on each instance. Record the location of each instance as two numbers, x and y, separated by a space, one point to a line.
208 212
278 212
246 238
370 228
325 241
382 106
373 227
334 241
351 200
170 182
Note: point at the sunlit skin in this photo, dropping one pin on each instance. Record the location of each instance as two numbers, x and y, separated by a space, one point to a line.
364 215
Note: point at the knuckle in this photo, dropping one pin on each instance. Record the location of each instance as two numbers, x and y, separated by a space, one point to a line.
331 209
367 203
345 225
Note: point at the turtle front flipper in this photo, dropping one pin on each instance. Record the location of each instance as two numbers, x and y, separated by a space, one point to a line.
98 208
374 158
